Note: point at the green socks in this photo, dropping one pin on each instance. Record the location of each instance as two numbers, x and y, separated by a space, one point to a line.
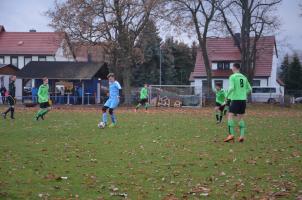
42 112
231 127
138 106
146 106
242 128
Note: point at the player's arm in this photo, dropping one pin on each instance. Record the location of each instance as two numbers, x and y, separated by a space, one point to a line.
39 93
119 87
231 87
248 87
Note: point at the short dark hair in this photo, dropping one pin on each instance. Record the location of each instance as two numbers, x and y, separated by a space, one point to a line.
44 78
110 75
218 84
237 65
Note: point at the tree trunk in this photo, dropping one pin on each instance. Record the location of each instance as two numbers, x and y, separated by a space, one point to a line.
203 45
127 84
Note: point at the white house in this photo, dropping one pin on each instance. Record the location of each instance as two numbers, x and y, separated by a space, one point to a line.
223 52
19 48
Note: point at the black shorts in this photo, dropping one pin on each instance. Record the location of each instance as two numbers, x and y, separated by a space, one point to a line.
143 101
11 100
221 107
237 107
44 105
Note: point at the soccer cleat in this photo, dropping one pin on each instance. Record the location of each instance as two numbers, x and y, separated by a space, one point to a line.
112 125
229 138
241 139
3 115
12 117
218 122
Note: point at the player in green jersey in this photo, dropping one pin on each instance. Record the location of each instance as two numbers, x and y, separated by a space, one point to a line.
239 88
43 99
143 98
219 107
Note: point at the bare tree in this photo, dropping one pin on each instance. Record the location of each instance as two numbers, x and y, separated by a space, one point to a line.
253 18
115 23
198 16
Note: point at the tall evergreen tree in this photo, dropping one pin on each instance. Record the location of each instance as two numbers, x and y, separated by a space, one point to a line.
294 75
149 43
284 69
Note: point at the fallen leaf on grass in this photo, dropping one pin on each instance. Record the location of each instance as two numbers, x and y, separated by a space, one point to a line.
170 197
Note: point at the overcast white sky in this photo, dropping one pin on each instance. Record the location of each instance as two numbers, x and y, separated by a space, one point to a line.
22 15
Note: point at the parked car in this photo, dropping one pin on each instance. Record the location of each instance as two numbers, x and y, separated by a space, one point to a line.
267 94
298 100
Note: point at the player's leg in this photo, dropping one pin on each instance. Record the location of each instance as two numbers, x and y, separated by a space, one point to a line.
113 105
138 105
146 104
221 109
113 117
231 124
242 124
11 108
40 111
217 112
45 110
104 115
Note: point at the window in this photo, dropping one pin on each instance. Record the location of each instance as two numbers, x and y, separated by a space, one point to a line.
264 90
42 58
220 66
256 83
218 82
223 66
1 59
14 61
27 60
227 66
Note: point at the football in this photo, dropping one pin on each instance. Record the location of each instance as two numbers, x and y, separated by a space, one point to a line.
101 125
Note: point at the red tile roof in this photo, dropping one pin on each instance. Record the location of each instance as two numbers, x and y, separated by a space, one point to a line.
22 43
224 49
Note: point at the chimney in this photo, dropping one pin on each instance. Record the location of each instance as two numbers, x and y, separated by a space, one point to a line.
32 30
237 39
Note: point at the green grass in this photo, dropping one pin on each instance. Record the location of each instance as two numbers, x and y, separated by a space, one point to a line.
163 154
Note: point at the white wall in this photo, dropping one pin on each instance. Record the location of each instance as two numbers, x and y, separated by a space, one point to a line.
198 86
6 59
34 58
50 58
64 53
272 81
20 62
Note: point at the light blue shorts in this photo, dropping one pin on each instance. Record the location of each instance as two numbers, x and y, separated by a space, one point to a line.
112 103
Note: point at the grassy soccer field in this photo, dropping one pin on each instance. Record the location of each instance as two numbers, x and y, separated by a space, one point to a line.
164 154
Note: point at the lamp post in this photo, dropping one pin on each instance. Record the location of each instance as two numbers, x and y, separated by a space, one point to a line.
160 64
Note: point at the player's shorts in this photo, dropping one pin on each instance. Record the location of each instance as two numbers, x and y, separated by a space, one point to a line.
143 101
221 107
44 105
11 100
112 103
237 107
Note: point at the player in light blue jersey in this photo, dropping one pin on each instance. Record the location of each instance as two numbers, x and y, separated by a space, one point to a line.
113 101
